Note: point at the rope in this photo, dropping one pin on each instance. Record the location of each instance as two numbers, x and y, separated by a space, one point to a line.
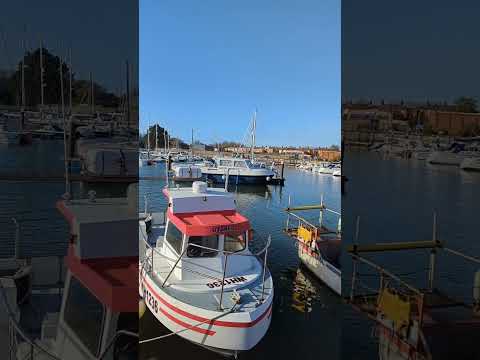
189 327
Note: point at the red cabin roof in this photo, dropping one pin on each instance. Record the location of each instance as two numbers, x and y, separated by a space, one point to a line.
114 282
209 223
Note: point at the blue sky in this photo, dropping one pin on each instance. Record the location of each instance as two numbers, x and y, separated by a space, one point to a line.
207 64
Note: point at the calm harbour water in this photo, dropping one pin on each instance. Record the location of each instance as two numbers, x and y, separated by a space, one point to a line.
44 232
306 314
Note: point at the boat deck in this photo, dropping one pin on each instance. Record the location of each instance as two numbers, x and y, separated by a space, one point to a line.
195 292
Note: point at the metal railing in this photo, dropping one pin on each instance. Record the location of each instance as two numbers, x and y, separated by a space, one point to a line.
16 333
149 261
290 212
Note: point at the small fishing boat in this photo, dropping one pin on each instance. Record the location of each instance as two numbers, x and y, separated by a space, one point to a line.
198 274
319 247
97 316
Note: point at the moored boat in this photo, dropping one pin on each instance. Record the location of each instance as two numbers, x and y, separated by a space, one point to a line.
242 171
318 247
198 275
98 314
470 164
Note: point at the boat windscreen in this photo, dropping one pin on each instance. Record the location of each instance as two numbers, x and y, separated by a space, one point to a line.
235 242
205 241
84 315
174 237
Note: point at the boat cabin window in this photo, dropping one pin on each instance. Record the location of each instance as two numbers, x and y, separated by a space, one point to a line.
174 237
206 241
225 163
235 242
84 315
240 164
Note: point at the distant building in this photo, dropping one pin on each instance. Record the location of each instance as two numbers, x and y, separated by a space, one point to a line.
328 154
452 123
244 150
291 151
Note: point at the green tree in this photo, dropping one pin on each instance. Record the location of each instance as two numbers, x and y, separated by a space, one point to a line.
466 104
156 132
11 86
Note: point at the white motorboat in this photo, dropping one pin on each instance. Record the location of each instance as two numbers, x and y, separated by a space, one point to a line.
327 168
318 167
242 171
454 156
470 164
337 170
198 275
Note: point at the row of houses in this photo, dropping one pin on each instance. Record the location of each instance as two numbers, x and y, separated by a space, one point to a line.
428 121
302 153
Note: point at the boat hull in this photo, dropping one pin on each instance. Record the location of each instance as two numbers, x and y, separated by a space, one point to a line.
470 164
445 158
321 268
228 333
234 179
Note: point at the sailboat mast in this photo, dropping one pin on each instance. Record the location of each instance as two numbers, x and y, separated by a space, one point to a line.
92 96
148 137
23 75
165 140
156 137
127 91
254 126
41 76
191 147
65 147
70 78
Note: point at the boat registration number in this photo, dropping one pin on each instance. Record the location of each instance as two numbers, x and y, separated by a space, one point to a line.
233 280
149 299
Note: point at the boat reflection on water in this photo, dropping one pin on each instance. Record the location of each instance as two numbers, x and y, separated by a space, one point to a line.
310 295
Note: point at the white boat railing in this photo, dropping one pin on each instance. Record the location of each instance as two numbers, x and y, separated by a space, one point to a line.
302 221
149 260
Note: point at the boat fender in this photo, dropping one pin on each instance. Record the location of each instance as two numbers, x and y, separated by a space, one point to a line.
141 308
